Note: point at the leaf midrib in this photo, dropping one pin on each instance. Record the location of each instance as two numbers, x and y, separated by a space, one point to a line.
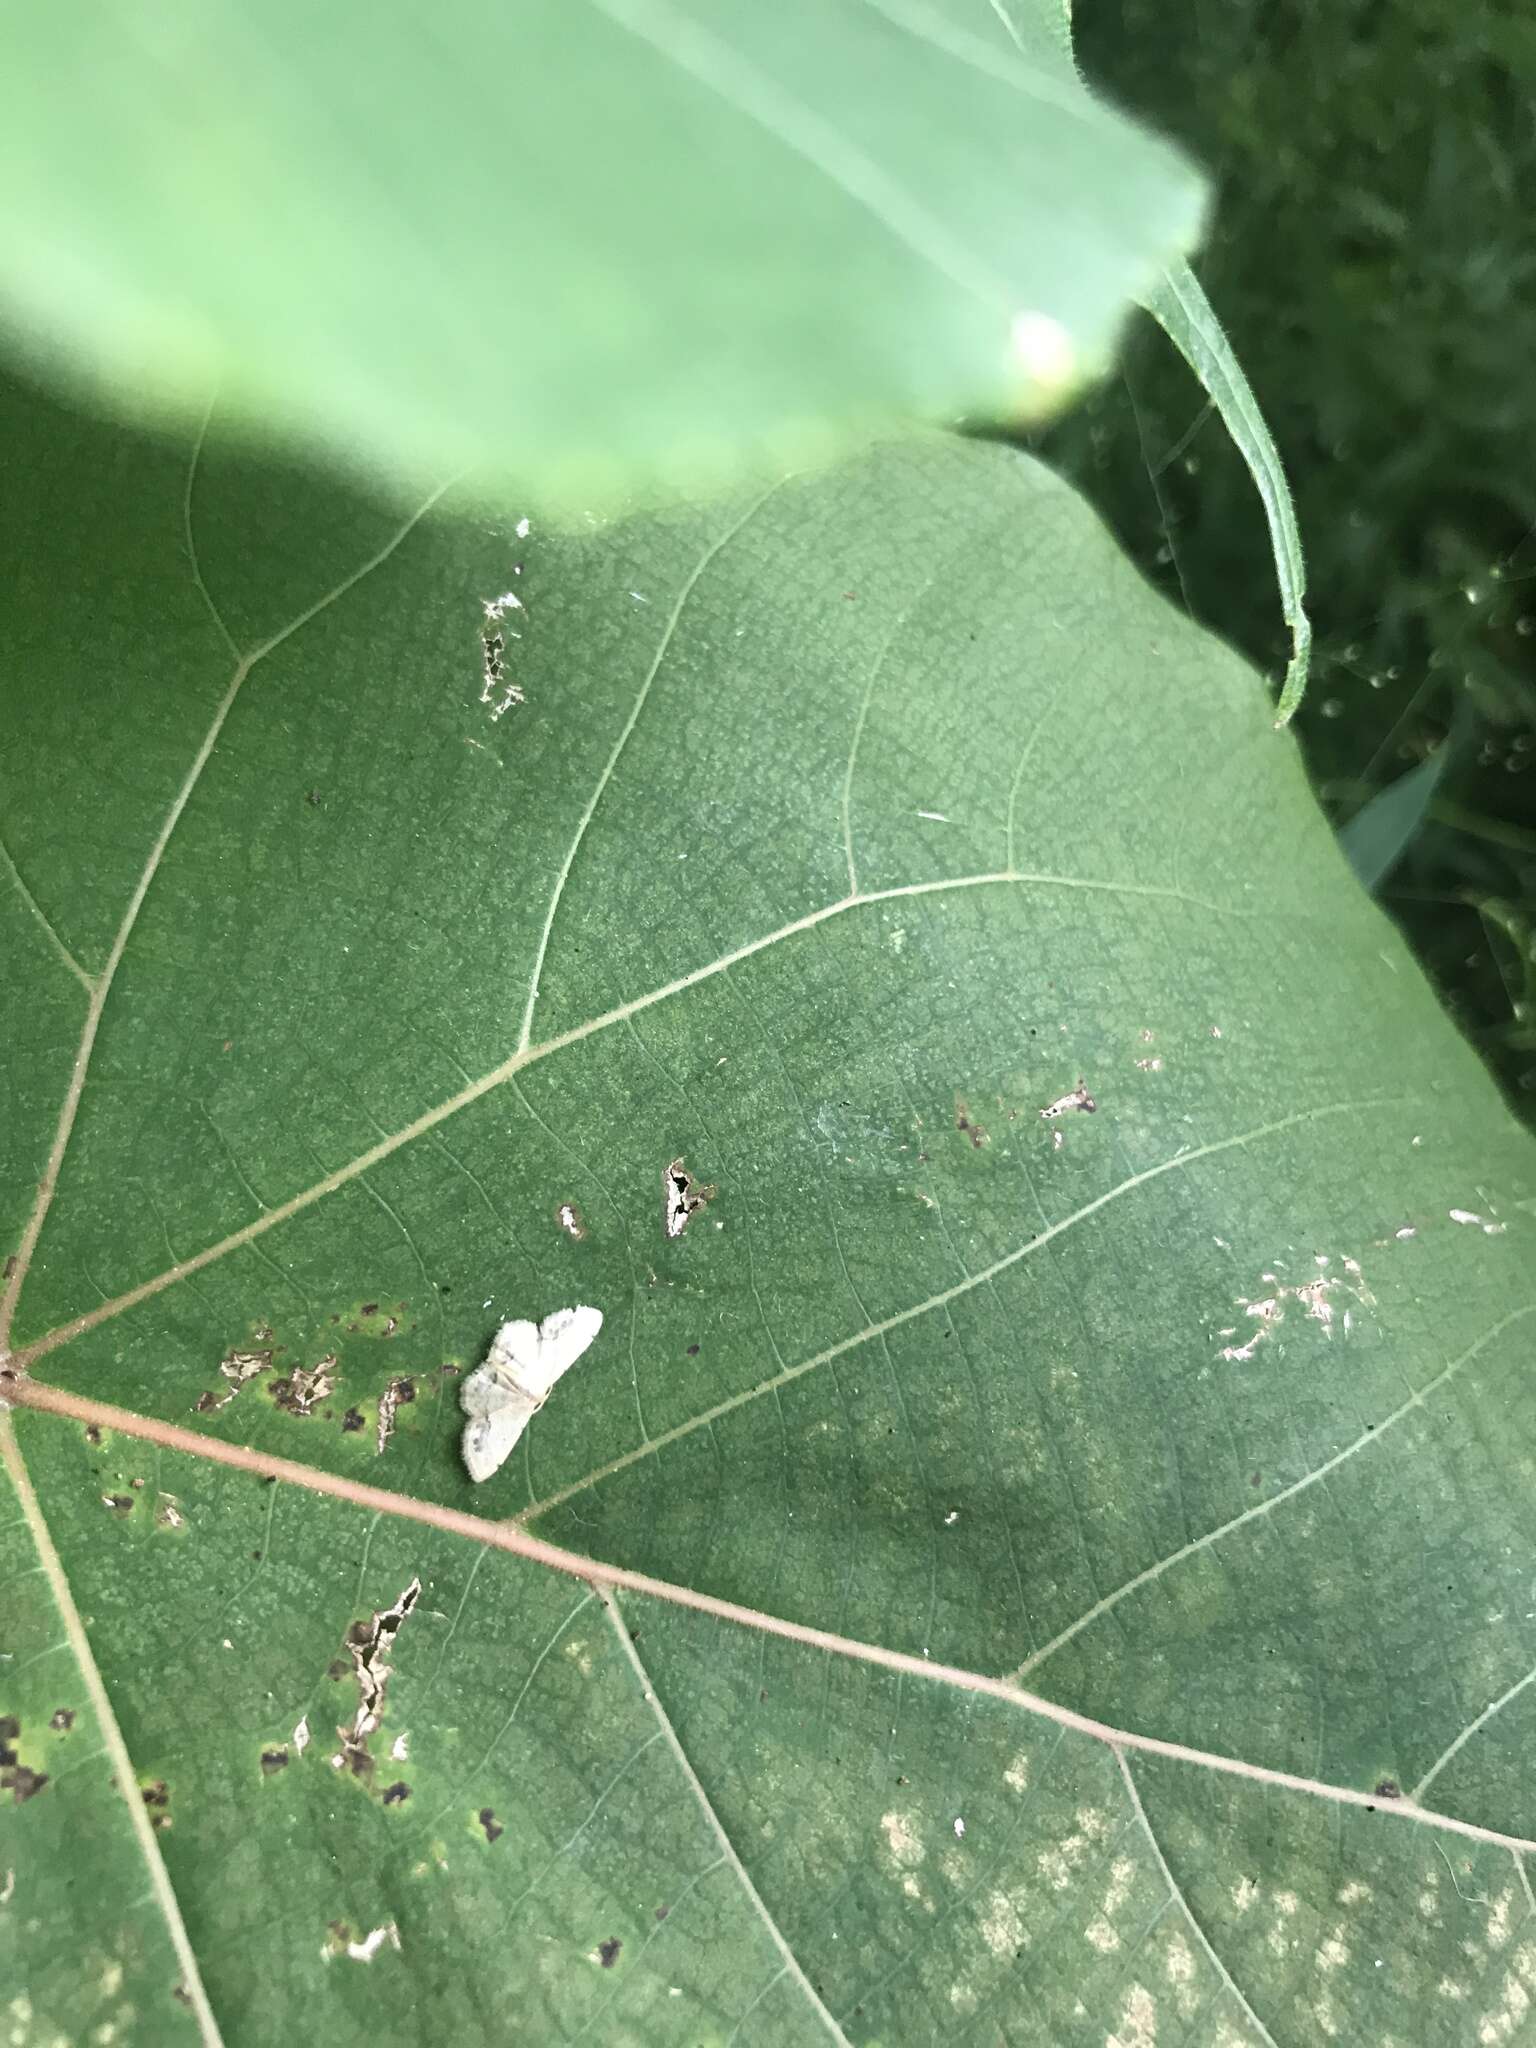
507 1536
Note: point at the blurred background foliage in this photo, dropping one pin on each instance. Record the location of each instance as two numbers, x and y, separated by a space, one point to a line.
1373 260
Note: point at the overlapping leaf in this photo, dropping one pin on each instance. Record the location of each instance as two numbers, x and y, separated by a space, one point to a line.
587 245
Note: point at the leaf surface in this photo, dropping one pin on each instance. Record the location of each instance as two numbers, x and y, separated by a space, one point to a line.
589 245
845 828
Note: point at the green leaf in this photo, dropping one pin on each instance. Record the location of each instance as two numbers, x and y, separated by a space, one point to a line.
1179 305
1377 836
573 246
1177 302
846 827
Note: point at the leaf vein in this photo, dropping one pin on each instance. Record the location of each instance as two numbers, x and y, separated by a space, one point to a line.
680 1756
1267 1507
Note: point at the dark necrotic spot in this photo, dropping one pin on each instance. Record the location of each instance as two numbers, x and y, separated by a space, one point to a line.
370 1308
92 1433
21 1782
662 1912
157 1794
62 1719
353 1419
489 1822
1389 1789
397 1794
273 1760
609 1951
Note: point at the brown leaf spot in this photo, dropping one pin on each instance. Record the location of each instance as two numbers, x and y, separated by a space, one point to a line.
967 1125
21 1781
491 1824
273 1760
608 1951
302 1390
397 1794
369 1644
354 1420
62 1719
158 1793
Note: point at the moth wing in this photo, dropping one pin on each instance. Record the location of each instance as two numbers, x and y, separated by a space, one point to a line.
563 1337
498 1415
514 1352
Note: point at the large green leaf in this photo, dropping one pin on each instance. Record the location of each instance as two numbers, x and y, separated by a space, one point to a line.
844 827
582 244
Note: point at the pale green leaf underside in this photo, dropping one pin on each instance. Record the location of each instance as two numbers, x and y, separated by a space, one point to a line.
582 244
844 820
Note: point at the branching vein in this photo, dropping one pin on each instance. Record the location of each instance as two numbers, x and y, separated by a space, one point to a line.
775 1933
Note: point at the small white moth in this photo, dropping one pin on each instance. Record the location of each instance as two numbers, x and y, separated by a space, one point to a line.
523 1364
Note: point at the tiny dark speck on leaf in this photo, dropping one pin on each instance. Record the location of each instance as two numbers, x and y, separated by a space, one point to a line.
93 1433
1389 1789
157 1794
662 1912
273 1760
313 797
370 1308
353 1420
489 1822
62 1720
205 1402
609 1951
1253 1478
181 1994
256 1555
693 1350
397 1794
